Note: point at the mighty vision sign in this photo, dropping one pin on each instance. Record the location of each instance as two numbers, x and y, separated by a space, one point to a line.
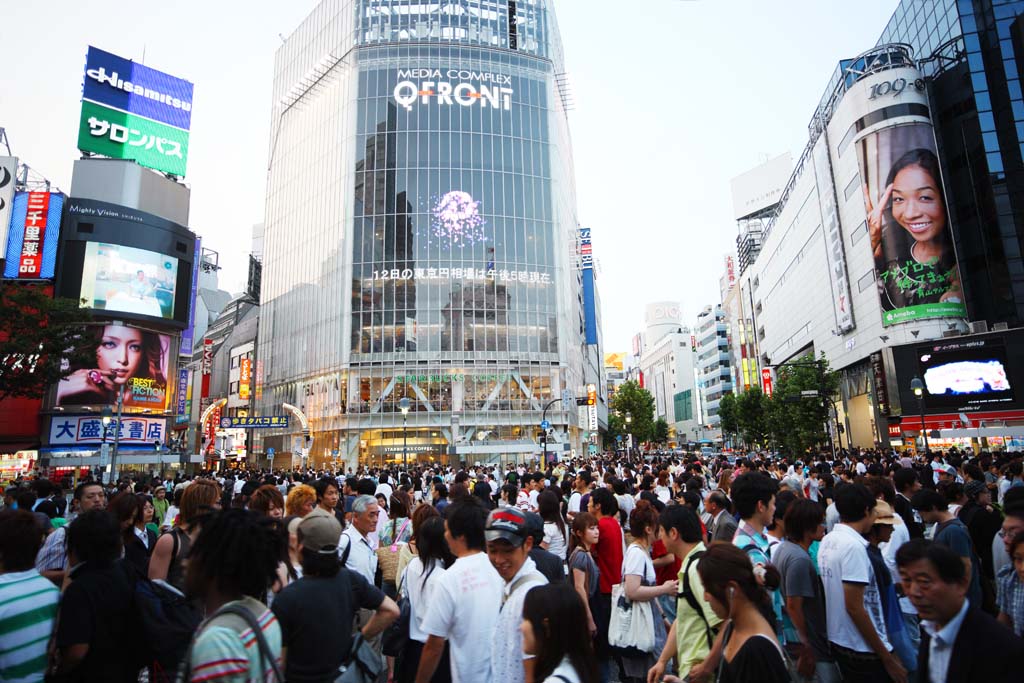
130 111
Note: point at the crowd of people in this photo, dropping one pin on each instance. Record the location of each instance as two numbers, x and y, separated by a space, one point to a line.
868 566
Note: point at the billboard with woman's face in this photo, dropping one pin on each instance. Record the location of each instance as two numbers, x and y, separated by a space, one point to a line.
137 360
908 222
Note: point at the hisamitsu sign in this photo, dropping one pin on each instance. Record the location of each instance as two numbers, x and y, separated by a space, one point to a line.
268 422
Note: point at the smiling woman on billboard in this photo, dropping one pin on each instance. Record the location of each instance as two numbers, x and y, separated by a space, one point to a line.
125 356
916 266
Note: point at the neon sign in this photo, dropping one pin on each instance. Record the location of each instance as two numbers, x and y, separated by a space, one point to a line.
454 86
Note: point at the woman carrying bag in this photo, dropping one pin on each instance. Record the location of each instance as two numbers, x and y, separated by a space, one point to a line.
640 592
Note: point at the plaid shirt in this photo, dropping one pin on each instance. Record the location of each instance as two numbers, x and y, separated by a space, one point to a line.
1010 597
53 555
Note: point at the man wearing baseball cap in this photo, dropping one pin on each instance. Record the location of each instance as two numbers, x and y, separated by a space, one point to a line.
316 612
509 542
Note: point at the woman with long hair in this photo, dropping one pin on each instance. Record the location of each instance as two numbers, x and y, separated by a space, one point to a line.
584 573
752 653
408 551
122 353
554 633
199 499
267 500
556 535
419 582
640 585
725 480
125 509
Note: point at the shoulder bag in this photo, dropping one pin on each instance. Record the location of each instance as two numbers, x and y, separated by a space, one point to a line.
631 627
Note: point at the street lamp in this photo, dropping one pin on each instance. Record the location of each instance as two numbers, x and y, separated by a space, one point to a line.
917 386
403 405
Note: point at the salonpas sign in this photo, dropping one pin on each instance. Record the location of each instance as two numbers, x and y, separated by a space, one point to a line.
449 87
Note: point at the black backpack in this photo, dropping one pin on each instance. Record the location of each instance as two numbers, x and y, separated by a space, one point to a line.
167 623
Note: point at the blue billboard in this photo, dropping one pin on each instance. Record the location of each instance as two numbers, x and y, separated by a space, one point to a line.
33 238
589 297
136 89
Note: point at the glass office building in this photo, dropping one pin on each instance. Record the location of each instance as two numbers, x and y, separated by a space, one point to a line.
420 246
971 53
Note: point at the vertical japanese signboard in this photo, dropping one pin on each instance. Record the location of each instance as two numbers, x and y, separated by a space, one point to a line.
182 395
130 111
767 382
188 336
589 297
8 179
244 378
33 236
206 369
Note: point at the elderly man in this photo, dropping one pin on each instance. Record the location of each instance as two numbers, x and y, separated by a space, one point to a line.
357 553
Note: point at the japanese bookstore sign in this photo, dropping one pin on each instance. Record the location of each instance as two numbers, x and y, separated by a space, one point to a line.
34 234
130 111
69 430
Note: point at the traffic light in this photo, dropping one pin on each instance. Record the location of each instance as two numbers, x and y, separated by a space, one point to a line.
591 395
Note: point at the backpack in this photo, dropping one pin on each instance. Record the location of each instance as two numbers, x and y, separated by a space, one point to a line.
688 595
167 622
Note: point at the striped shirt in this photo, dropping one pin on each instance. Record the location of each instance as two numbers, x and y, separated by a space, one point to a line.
28 605
227 652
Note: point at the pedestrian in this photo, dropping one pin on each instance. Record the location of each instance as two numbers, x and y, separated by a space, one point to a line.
408 551
52 560
803 592
556 534
139 546
959 642
608 556
751 652
853 603
166 562
327 495
583 571
317 611
553 633
97 634
28 601
508 548
950 531
753 494
695 626
1010 588
465 603
419 581
267 500
355 546
300 501
639 580
723 524
160 505
232 563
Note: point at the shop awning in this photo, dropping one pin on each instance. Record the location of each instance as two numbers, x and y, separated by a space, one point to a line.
1013 419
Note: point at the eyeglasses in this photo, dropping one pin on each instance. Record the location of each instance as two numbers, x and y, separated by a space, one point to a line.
1008 535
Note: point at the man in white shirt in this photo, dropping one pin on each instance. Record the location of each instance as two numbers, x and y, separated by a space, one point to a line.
355 541
509 542
464 606
582 486
853 604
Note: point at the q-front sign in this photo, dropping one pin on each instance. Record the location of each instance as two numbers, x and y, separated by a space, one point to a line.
464 87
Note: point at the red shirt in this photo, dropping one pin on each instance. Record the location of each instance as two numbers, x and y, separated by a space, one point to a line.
608 553
669 571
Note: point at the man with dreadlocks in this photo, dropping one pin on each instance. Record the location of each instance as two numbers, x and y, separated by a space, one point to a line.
233 561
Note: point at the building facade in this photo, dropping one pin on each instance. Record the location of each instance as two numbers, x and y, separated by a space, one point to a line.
420 239
714 368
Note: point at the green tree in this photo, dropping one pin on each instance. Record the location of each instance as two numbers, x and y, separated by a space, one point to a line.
631 399
728 415
616 428
660 431
752 417
41 339
797 422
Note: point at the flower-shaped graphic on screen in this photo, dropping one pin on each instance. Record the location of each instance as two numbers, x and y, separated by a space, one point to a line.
457 220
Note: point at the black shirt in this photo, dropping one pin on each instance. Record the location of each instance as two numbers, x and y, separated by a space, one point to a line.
96 609
548 564
758 661
316 616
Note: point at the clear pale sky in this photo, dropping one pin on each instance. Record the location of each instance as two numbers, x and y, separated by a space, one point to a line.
673 99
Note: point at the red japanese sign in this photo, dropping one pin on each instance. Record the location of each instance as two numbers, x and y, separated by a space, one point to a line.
31 265
767 386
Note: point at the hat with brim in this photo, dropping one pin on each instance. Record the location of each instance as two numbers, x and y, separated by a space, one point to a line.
507 524
884 514
320 533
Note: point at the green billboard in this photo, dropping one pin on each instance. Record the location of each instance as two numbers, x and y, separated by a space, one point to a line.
119 135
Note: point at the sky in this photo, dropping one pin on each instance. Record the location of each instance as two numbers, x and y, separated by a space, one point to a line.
673 98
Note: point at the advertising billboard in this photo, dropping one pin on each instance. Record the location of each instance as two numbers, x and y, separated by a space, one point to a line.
916 267
127 358
128 280
71 430
189 335
34 235
8 180
130 111
126 263
244 378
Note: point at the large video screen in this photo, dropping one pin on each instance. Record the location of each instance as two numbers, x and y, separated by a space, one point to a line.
966 376
128 359
129 280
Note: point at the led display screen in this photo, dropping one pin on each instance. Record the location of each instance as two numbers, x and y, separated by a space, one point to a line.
128 280
966 376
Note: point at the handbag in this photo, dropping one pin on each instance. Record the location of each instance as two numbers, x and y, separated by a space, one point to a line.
395 638
362 665
387 556
631 627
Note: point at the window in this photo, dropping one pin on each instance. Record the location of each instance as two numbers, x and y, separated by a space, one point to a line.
866 280
853 187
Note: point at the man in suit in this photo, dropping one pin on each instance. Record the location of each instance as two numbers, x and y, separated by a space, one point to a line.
959 642
723 525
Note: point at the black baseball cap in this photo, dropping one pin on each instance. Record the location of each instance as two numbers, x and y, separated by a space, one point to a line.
507 524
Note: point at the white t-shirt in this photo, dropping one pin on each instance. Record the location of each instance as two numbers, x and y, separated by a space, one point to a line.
533 500
464 609
626 505
556 540
813 487
638 563
574 502
172 512
900 535
843 558
420 595
566 671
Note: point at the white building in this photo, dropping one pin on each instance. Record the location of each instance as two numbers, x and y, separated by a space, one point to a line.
666 362
714 373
